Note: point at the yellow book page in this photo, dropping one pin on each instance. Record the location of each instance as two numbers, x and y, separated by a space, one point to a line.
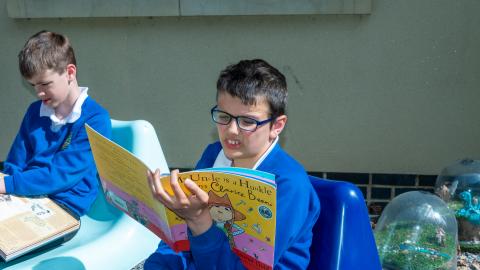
123 169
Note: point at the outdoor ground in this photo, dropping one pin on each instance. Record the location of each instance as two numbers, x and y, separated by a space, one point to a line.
140 266
468 261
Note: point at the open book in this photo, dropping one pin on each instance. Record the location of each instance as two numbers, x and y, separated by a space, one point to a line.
29 223
242 201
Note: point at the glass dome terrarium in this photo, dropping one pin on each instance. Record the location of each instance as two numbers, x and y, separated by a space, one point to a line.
417 231
459 186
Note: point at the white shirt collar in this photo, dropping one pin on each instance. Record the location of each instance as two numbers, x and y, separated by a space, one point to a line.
223 161
47 111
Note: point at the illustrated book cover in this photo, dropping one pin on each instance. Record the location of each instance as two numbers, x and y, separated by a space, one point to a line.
242 202
29 223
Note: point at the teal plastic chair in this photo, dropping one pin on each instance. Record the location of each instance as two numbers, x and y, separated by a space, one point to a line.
342 236
108 238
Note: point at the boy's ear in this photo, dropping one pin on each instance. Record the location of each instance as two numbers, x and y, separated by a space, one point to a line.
278 126
71 72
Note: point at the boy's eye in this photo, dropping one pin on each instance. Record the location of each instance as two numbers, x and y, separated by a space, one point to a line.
224 117
41 84
245 121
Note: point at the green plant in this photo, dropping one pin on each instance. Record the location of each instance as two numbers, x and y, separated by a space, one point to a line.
408 245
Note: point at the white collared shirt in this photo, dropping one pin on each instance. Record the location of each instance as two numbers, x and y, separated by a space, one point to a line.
47 111
223 161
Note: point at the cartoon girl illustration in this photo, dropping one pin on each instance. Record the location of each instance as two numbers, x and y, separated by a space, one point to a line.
224 215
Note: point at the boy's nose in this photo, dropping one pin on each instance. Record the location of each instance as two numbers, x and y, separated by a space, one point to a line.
232 127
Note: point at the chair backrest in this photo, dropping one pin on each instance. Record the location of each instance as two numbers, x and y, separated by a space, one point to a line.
140 138
342 237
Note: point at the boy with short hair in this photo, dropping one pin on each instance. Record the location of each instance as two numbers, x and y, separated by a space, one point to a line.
250 114
51 154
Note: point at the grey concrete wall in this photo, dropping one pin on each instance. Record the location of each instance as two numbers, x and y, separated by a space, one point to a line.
396 91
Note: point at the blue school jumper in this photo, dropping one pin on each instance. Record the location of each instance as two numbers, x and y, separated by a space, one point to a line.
58 164
298 209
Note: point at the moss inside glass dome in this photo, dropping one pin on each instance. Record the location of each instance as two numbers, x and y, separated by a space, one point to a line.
417 231
398 251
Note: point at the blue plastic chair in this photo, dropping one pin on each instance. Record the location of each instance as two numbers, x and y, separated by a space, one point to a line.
108 238
342 237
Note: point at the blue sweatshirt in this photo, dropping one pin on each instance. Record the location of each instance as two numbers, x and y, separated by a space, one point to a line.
298 209
58 164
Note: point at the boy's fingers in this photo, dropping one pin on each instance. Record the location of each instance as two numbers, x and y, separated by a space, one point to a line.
197 191
177 190
158 190
150 181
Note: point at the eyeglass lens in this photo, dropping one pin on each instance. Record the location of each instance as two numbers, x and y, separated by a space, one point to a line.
243 122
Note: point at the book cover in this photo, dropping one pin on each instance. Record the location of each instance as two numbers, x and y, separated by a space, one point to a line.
242 201
29 223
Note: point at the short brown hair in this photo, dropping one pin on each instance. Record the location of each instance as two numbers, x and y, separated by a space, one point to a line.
45 50
253 79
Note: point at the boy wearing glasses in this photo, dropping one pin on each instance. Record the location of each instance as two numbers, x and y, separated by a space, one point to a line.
249 115
51 154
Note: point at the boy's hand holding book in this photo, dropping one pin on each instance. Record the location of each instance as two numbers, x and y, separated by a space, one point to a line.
191 204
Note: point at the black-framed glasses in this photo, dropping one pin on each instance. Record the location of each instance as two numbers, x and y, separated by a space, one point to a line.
243 122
